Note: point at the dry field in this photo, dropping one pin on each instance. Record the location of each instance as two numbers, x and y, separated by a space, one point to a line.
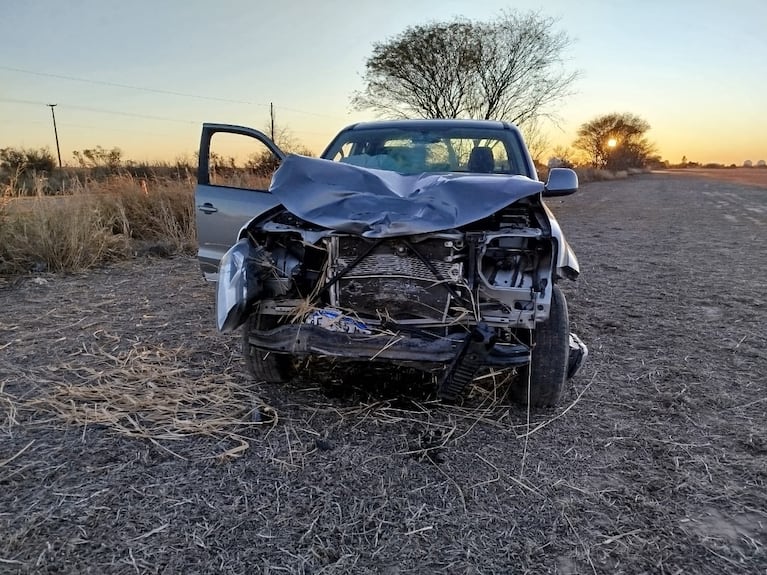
131 443
747 176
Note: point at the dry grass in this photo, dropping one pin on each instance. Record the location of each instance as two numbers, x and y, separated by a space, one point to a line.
161 395
97 223
155 211
8 410
151 393
59 234
586 175
239 178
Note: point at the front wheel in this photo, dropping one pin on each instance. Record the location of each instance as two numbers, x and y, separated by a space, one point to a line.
541 382
265 366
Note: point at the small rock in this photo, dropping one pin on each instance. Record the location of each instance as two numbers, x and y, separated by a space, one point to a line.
324 444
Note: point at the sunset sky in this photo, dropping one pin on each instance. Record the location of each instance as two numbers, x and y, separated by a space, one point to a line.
143 75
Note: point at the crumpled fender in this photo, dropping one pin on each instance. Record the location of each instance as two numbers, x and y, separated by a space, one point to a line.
238 285
567 263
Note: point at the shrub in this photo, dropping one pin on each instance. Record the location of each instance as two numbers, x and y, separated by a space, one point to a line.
67 233
21 161
156 214
99 222
20 168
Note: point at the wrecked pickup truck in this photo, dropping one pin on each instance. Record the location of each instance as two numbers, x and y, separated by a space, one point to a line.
421 243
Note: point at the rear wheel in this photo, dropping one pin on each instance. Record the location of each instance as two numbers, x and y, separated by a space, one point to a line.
265 366
541 382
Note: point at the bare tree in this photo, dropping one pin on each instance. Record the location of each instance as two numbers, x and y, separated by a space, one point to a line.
289 143
615 141
264 162
561 157
510 68
536 138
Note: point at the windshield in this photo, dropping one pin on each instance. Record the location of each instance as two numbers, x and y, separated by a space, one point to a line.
470 150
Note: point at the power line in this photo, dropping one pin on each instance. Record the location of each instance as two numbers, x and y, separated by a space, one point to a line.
129 86
17 101
103 127
157 90
132 115
109 128
102 111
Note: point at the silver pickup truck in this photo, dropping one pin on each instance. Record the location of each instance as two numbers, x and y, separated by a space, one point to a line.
422 243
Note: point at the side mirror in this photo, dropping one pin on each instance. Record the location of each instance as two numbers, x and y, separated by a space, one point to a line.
561 182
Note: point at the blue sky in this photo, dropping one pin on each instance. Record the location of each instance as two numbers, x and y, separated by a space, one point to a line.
695 70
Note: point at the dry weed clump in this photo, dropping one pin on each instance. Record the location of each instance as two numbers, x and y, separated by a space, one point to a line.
65 233
8 410
98 222
240 179
155 212
586 175
151 393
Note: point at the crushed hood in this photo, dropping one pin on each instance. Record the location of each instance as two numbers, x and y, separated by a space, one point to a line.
378 203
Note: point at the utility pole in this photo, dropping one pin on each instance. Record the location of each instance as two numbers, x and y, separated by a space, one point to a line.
271 116
55 132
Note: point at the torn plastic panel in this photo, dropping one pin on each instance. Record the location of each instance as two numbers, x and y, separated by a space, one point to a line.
236 287
246 273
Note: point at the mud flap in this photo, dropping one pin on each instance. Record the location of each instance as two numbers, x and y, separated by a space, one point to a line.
472 356
577 357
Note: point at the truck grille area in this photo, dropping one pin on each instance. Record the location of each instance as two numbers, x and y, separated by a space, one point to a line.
392 279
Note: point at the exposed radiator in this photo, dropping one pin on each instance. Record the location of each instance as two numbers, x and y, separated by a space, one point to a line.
392 279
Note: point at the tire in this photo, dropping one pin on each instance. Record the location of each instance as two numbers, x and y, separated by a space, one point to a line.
547 371
265 366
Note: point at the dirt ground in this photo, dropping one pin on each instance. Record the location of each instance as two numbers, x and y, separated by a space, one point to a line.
130 442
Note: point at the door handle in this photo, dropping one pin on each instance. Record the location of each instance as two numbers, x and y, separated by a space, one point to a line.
208 208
